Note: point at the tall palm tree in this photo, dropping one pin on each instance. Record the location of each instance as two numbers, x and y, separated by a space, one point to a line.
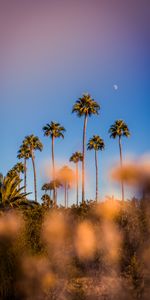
76 158
24 153
119 129
96 143
54 130
33 143
85 106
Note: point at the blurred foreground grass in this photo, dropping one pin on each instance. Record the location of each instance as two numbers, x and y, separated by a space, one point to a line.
93 251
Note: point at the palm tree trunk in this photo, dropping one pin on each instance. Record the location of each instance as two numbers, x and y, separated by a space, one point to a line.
83 161
121 164
96 166
53 164
77 183
56 194
25 175
34 171
19 180
65 195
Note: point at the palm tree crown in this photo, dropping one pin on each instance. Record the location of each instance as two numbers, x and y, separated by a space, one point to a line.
23 152
9 192
119 128
54 130
96 143
86 106
19 168
76 157
33 143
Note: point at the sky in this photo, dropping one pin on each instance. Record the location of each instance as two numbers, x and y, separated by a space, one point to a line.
51 52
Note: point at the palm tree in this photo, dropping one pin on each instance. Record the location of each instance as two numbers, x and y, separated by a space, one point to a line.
96 143
33 143
18 168
119 129
54 130
45 187
76 157
54 185
9 192
46 200
85 106
25 154
50 186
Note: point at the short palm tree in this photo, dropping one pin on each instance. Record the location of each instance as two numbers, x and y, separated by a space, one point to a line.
24 154
46 200
119 129
9 192
50 186
33 143
54 130
85 106
96 143
76 158
45 187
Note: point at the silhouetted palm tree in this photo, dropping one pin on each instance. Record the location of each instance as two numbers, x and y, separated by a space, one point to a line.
33 143
119 129
85 106
24 154
96 143
76 157
54 130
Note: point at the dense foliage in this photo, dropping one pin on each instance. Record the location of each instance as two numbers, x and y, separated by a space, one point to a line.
91 251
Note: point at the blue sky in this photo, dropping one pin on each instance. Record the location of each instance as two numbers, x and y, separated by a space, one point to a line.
51 54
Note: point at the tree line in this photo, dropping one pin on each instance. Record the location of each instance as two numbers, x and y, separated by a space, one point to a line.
84 107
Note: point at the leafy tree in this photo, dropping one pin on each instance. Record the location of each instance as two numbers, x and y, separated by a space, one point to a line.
96 143
119 129
85 106
25 154
33 143
54 130
76 158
